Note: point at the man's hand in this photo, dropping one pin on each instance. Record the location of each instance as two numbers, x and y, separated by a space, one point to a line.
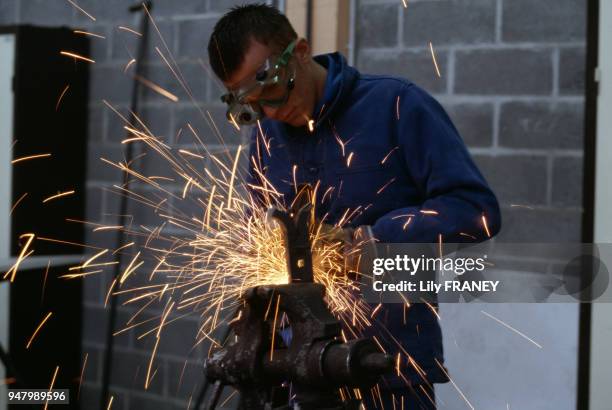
353 242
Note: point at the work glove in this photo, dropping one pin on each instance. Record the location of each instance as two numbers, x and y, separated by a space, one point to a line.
353 241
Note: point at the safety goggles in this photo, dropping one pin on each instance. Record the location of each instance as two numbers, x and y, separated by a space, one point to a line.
271 87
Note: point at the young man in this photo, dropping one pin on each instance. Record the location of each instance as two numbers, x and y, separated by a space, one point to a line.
378 146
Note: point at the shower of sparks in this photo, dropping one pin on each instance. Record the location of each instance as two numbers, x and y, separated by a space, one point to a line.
76 56
129 30
76 6
433 57
38 329
59 100
29 157
58 195
511 328
87 33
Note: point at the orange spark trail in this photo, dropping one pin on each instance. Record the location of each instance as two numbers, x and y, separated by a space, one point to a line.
81 10
428 212
132 61
76 56
129 30
456 387
158 89
38 329
349 159
511 328
486 225
82 374
433 56
388 155
22 255
87 33
110 403
29 157
385 186
59 100
60 195
17 203
232 178
51 385
274 328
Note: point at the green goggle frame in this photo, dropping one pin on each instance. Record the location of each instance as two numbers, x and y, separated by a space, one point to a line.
271 74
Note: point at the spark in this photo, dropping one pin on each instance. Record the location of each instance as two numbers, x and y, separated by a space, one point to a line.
486 225
232 178
467 235
428 212
129 64
29 157
110 403
76 6
21 198
311 124
233 122
349 159
388 155
129 30
38 330
521 206
76 56
453 383
59 100
22 255
398 363
433 56
191 154
385 186
397 108
405 3
157 88
58 195
82 375
51 385
274 327
87 33
511 328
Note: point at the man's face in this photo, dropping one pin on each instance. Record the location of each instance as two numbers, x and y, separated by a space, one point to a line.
297 111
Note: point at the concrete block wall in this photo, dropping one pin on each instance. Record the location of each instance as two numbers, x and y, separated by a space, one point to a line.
512 80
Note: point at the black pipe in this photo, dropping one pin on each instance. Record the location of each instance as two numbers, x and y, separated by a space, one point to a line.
588 200
309 21
129 154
